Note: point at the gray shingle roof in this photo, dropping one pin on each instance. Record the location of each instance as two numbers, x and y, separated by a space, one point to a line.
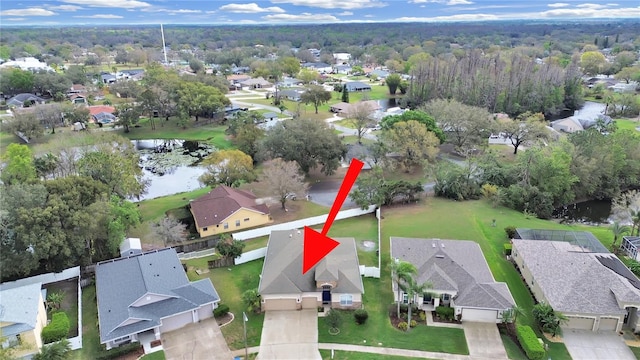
121 282
19 305
575 281
454 266
282 270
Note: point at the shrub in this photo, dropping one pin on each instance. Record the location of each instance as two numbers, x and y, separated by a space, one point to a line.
529 342
333 319
422 316
511 231
413 323
445 312
403 308
221 310
403 325
361 316
507 249
119 351
57 329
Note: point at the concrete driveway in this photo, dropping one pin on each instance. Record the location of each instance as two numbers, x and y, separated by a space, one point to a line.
201 340
484 340
289 335
324 193
590 345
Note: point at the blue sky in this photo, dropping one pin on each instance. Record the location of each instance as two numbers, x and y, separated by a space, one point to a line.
93 12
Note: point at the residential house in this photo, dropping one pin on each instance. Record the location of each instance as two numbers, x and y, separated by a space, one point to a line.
77 89
289 82
630 245
322 68
342 69
291 94
144 295
237 78
459 276
257 83
99 113
270 116
131 74
334 282
623 87
225 209
341 57
77 99
344 109
581 279
25 98
22 318
567 125
380 74
237 70
357 86
107 78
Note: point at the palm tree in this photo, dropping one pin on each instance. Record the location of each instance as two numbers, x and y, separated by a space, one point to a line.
618 230
55 299
251 299
511 315
401 272
414 288
57 351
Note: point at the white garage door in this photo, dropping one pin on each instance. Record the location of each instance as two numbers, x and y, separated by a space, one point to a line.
280 304
176 322
581 323
608 324
309 302
479 315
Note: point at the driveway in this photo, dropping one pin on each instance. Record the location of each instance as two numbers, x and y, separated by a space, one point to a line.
201 340
289 335
324 193
484 340
590 345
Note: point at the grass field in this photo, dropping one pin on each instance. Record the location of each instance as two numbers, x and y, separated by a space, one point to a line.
378 331
158 355
627 124
91 346
230 284
212 134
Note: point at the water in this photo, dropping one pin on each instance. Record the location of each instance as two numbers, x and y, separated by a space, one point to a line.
589 111
170 172
591 212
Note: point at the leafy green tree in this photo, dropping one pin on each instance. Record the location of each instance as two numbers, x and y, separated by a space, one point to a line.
628 74
251 300
242 118
308 142
419 116
196 65
289 65
307 76
455 182
46 165
413 143
523 131
316 95
393 81
401 273
228 167
592 62
333 319
248 139
60 350
76 74
283 178
26 123
128 115
16 81
548 319
229 248
198 99
55 299
20 166
51 83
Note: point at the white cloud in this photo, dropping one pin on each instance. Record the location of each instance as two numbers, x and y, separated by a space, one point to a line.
591 6
446 2
99 16
250 8
346 13
185 11
592 13
303 17
27 12
369 16
334 4
16 19
124 4
211 12
459 17
558 5
65 7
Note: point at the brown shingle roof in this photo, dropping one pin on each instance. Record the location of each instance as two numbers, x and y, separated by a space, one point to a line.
214 207
96 109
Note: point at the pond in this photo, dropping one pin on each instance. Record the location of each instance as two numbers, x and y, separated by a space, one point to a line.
170 166
588 212
589 111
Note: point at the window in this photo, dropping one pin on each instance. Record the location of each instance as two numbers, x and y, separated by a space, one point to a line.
445 297
426 298
346 300
225 225
405 298
205 229
237 222
246 219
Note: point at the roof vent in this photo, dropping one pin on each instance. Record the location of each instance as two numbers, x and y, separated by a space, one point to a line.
290 235
440 256
433 245
298 231
442 245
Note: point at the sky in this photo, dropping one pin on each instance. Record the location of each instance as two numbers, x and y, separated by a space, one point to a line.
114 12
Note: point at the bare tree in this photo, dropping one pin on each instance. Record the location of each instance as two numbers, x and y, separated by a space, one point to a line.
284 178
170 230
360 117
626 210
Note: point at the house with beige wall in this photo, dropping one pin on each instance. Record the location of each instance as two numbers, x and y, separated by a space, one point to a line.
225 209
588 284
22 317
334 282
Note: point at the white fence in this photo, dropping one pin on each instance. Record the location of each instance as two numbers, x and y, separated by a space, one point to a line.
196 254
251 255
67 274
369 271
345 214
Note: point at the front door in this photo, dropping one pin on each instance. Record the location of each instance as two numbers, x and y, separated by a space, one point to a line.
326 294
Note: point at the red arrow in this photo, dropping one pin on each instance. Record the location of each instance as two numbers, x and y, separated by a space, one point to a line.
318 245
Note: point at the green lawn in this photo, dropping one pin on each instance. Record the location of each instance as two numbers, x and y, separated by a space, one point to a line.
367 229
513 350
158 355
91 346
378 331
636 351
351 355
154 209
627 124
230 284
212 134
6 139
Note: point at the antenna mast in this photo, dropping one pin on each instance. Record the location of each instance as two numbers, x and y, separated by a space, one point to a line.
164 47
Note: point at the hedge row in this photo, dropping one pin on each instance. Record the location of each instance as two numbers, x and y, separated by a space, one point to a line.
119 351
57 329
445 312
529 342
